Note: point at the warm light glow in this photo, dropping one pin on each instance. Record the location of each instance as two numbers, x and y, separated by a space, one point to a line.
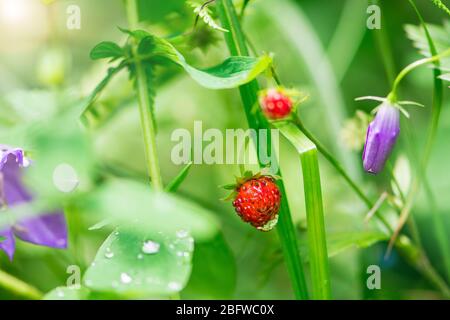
13 11
23 23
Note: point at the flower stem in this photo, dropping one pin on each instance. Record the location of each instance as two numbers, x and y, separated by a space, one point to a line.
145 106
393 95
237 45
19 287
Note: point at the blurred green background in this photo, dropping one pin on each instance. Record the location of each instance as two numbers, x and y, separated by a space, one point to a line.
322 49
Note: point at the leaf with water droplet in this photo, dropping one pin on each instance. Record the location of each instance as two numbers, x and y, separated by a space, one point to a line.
153 211
145 263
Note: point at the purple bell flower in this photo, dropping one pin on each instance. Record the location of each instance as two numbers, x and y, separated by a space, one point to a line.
47 229
381 137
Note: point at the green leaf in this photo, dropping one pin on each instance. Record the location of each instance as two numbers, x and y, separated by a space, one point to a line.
141 263
67 293
214 271
93 114
439 34
29 106
175 184
318 255
338 242
80 293
233 72
125 201
106 49
204 13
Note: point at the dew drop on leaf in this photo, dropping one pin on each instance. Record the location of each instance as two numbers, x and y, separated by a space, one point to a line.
182 233
150 247
125 278
109 254
173 285
60 293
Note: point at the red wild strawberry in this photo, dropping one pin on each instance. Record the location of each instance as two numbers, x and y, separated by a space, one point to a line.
257 201
276 104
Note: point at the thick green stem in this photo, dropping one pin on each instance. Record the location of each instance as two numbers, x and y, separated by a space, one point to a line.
327 155
18 287
145 106
237 45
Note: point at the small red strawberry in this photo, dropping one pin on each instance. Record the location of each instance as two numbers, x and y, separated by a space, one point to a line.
276 104
257 200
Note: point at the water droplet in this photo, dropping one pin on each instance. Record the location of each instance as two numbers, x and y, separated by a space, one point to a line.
125 278
140 256
175 286
184 254
60 293
109 254
182 233
150 247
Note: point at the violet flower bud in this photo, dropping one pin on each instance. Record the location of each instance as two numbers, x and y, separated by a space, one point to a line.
381 137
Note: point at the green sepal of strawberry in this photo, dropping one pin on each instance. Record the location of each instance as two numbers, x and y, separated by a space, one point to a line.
247 176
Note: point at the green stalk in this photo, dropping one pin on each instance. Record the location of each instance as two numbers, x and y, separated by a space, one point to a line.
335 163
320 273
19 287
145 106
318 253
236 42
